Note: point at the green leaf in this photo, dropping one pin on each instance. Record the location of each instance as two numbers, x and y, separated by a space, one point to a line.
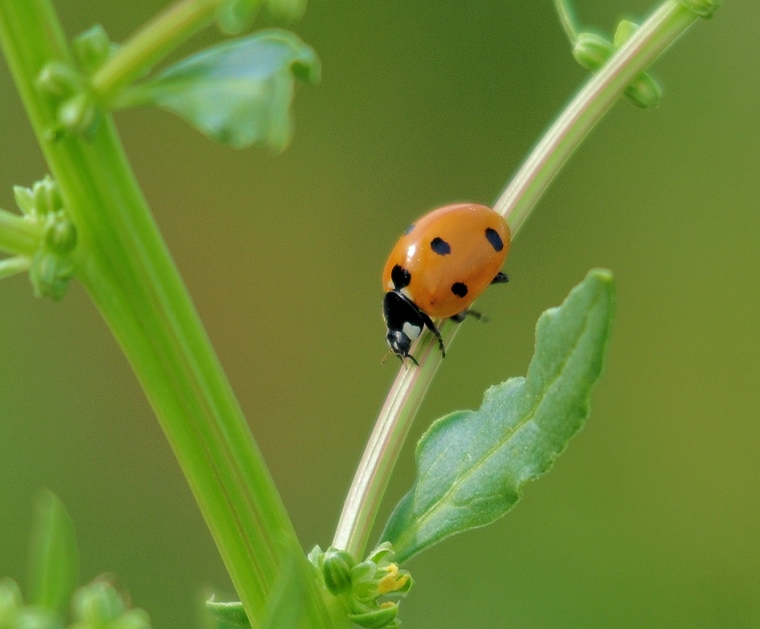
238 92
54 561
228 613
472 465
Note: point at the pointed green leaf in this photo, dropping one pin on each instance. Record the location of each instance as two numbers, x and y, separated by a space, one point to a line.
238 92
472 465
54 561
230 613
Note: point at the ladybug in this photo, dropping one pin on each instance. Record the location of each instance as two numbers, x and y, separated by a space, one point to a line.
437 269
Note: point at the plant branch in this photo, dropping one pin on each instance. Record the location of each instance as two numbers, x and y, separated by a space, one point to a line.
18 235
14 266
567 19
150 44
662 28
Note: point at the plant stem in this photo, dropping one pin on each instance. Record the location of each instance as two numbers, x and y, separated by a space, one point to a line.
661 29
14 266
126 268
669 21
18 235
150 44
567 20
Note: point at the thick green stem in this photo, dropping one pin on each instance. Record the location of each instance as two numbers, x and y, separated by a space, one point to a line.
18 235
125 266
602 91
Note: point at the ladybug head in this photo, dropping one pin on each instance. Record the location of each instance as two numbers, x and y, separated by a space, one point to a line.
400 344
404 321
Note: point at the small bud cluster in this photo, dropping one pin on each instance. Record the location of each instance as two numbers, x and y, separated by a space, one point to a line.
361 586
592 51
100 606
703 8
77 110
95 606
52 266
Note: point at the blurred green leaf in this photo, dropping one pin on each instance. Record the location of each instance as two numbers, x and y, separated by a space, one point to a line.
472 465
238 92
228 613
54 561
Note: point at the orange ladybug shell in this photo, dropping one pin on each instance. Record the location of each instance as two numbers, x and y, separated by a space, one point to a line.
448 257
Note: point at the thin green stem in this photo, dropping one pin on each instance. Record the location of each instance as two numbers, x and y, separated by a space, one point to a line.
567 19
18 235
150 44
669 21
126 268
14 266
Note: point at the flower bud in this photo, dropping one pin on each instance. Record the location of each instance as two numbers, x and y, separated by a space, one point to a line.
384 616
623 32
382 552
703 8
58 79
395 580
35 617
336 570
644 92
592 50
97 603
364 571
60 233
78 113
47 198
132 619
92 48
24 199
235 16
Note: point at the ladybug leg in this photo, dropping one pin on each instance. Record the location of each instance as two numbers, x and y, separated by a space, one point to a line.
432 327
458 318
501 278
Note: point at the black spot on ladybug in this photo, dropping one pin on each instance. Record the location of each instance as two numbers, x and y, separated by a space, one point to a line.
409 229
459 289
400 277
440 246
493 237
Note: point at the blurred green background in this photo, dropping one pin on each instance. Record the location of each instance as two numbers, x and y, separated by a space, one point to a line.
650 519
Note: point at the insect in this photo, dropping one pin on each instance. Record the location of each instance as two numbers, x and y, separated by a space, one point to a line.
438 267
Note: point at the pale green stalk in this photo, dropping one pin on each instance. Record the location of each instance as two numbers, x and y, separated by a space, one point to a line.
17 235
14 266
150 44
567 19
